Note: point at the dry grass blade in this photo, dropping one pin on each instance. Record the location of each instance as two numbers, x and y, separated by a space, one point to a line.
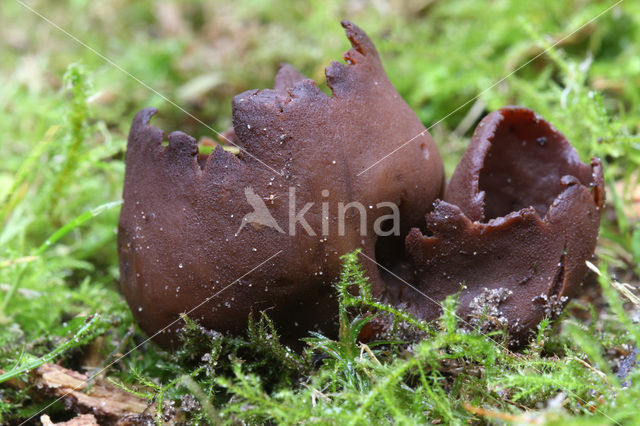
625 289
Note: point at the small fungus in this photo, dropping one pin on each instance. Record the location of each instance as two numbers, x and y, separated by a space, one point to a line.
519 219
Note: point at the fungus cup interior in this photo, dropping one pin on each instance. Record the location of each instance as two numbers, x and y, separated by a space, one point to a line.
525 164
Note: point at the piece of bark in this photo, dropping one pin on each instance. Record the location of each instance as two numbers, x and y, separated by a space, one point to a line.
81 420
105 401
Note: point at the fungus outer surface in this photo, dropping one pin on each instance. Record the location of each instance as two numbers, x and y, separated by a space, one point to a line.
519 219
182 235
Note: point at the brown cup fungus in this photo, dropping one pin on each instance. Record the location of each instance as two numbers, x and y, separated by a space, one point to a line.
519 219
225 236
193 227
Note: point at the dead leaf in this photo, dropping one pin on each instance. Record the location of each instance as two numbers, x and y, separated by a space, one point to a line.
104 400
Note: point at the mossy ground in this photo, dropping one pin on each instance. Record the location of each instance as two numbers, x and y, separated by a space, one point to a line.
64 116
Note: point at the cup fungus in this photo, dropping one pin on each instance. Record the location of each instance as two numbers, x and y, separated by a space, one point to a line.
512 233
519 219
187 227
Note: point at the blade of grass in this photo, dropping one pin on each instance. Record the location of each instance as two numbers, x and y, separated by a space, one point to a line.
51 355
75 223
56 236
26 168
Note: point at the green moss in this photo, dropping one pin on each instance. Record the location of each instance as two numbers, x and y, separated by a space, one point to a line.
64 117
